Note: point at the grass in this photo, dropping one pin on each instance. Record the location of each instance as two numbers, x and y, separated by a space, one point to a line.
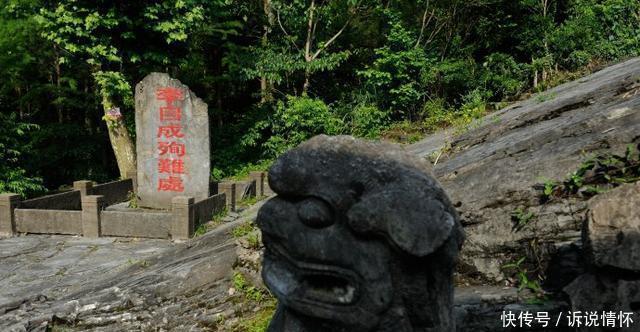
546 97
248 201
133 200
404 132
243 230
256 321
259 321
142 263
216 220
201 230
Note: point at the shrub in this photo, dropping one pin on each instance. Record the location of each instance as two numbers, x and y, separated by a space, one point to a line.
297 119
368 121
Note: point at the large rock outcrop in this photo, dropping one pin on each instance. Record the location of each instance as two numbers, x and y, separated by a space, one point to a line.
611 236
493 169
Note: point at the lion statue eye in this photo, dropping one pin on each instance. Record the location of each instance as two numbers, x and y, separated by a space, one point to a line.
315 213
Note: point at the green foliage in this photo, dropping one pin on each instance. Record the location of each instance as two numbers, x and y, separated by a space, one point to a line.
294 120
607 30
133 200
503 76
368 121
257 321
243 230
200 230
13 177
596 175
394 75
525 281
372 69
113 86
250 292
521 218
217 218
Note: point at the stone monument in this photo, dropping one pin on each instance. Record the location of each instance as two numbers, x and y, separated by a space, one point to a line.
359 238
172 142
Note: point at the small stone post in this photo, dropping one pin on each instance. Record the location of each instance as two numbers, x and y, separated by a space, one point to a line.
229 189
183 224
83 186
134 179
267 189
92 206
8 203
259 178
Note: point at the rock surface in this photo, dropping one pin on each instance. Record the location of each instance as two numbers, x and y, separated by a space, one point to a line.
492 169
612 232
612 246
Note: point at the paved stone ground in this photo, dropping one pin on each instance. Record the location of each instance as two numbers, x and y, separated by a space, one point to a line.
49 266
112 284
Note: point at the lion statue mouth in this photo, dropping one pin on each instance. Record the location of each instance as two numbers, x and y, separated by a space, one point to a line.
319 284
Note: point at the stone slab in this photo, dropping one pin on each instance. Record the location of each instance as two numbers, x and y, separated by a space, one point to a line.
172 142
114 192
63 201
136 224
48 221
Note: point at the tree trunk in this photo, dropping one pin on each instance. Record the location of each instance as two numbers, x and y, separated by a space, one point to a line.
58 85
307 82
265 85
121 142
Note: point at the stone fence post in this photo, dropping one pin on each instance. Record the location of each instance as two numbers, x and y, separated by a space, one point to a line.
92 206
259 178
8 203
83 186
133 175
229 190
183 220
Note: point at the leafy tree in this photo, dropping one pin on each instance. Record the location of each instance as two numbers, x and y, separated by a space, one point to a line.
13 177
100 34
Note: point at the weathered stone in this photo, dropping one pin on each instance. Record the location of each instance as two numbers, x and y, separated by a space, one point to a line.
8 204
612 232
599 292
172 142
490 170
92 206
83 186
359 238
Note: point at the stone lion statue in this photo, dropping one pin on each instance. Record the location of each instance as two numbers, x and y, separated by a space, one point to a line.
360 237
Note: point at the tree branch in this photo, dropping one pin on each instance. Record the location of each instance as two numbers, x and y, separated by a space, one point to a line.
307 46
424 23
285 31
315 55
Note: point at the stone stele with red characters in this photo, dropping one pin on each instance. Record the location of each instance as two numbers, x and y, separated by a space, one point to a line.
172 142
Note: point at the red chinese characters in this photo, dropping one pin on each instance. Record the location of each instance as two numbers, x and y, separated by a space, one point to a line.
172 183
171 151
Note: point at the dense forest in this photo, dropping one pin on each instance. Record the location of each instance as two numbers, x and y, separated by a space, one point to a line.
275 72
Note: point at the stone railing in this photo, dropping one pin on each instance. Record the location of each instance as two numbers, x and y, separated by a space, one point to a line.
92 210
